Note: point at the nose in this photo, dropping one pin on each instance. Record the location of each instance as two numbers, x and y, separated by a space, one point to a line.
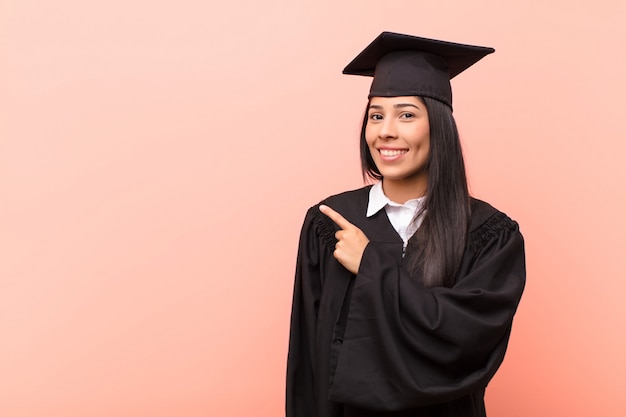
388 129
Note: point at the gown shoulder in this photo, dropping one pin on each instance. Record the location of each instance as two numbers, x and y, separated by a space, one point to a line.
488 223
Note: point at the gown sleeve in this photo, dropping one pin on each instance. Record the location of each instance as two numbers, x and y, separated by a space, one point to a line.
407 346
300 397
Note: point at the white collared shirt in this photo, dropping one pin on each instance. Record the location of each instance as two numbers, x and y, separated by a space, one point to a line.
401 216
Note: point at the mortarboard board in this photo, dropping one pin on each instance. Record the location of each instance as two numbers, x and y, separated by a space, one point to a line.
405 65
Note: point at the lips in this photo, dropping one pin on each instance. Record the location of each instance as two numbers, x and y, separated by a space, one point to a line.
392 152
391 155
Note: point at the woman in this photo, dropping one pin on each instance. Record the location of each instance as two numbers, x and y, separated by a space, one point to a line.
405 291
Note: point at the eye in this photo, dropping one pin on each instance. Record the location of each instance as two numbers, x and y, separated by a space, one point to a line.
407 115
375 116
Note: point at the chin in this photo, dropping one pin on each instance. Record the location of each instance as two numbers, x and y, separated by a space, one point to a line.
412 177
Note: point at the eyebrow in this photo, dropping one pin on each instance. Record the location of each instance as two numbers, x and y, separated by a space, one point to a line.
395 106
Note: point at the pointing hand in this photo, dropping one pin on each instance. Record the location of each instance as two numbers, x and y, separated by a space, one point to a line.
351 241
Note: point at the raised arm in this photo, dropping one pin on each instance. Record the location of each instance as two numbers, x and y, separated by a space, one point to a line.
407 346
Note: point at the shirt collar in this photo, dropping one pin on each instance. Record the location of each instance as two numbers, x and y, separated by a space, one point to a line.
378 200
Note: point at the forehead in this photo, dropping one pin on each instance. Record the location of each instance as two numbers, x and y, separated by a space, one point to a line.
394 101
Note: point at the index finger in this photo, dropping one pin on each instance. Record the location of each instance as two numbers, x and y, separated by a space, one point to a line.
336 217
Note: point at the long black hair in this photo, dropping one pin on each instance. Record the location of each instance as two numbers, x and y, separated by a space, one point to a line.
441 238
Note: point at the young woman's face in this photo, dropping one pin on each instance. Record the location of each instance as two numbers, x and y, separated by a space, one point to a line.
398 136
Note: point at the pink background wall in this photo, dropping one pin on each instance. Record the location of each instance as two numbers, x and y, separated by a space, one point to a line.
157 159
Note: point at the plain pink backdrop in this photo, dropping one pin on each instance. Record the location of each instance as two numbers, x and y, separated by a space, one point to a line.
157 159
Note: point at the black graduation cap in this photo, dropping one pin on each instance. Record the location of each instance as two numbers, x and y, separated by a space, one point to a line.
405 65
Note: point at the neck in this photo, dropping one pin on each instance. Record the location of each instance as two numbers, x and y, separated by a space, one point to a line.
401 191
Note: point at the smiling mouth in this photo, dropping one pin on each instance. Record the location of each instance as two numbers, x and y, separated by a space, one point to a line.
392 152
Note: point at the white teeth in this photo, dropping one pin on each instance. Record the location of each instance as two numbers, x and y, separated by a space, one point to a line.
392 152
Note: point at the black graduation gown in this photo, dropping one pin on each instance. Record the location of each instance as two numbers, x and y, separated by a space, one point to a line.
382 344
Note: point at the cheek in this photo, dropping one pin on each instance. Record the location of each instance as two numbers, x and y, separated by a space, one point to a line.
425 147
369 137
370 145
426 141
422 138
